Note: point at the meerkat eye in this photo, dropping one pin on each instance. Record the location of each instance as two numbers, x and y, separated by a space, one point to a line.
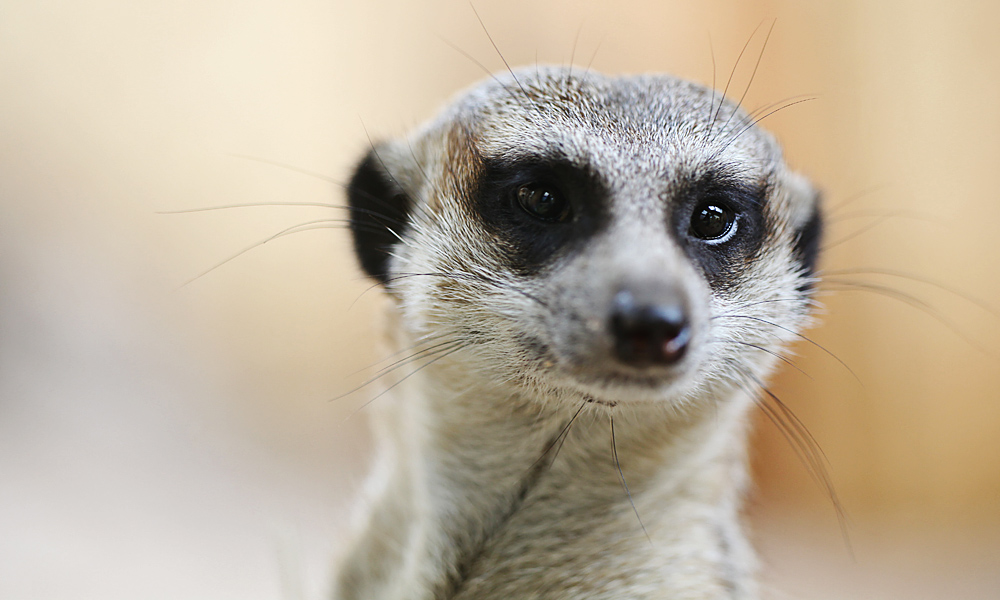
543 203
713 221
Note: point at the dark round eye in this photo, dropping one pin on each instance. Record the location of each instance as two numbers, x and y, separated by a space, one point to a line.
543 203
712 221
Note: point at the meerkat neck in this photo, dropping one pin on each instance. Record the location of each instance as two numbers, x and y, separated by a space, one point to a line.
488 494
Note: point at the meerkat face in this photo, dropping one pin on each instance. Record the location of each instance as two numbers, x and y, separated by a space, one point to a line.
619 240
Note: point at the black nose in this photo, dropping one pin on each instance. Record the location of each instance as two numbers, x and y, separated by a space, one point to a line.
647 334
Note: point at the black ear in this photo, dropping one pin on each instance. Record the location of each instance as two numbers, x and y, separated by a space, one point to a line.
807 240
380 212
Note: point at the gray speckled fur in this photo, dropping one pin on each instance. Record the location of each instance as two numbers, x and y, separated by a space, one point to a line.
461 505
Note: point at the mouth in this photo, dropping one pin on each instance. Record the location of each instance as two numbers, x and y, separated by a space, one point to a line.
598 376
620 379
614 387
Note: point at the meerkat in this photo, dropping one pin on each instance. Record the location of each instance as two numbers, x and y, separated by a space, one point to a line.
592 276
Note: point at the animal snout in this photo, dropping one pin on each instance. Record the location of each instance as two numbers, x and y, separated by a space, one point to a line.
649 330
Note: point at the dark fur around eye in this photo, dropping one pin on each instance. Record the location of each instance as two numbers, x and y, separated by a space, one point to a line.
380 211
530 237
722 259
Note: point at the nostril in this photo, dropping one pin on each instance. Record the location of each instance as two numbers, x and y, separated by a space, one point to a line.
649 334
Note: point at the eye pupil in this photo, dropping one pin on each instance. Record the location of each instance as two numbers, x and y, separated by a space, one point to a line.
712 221
542 203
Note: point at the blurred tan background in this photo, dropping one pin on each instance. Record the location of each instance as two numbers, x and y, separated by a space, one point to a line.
161 440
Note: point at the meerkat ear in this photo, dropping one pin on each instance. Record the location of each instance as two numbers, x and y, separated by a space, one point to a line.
807 239
808 224
806 219
380 211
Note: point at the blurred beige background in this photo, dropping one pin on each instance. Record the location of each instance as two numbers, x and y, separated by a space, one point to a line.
161 440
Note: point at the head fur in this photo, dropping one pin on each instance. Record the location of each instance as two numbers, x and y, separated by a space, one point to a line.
555 242
436 220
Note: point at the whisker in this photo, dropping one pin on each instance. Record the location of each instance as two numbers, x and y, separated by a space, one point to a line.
711 103
417 355
372 286
722 99
758 120
847 285
777 355
802 442
852 199
422 340
802 452
417 206
290 167
443 354
565 434
757 303
879 217
572 54
425 353
486 70
247 205
918 279
751 118
621 475
875 213
760 110
801 337
307 226
752 75
478 277
397 365
337 224
500 54
814 448
855 234
322 177
793 438
416 161
559 439
593 57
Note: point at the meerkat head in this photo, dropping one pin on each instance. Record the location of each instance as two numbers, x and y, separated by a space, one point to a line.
620 240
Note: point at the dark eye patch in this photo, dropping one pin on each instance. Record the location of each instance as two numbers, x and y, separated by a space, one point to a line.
528 237
722 258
